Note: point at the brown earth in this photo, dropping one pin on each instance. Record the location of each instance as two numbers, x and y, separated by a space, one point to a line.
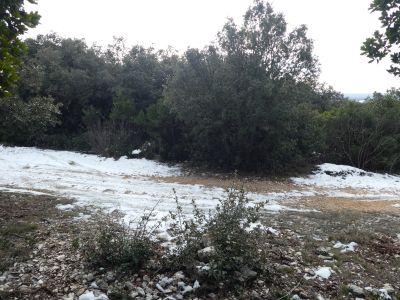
318 202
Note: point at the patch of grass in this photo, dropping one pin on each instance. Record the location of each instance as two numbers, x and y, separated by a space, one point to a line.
16 240
17 229
21 219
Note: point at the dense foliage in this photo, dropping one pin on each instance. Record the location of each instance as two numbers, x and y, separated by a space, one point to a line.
251 101
365 135
14 21
386 41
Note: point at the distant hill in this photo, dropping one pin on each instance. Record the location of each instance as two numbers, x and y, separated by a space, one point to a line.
357 97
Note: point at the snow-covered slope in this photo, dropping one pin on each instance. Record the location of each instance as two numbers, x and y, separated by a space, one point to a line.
339 176
126 184
133 185
17 158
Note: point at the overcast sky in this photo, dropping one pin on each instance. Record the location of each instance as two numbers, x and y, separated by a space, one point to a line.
338 28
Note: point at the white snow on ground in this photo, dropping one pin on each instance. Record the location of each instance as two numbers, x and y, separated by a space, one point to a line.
382 186
320 273
350 247
124 184
130 184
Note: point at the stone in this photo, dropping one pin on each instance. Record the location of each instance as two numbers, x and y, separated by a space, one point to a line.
129 286
389 288
324 251
255 295
89 277
179 275
102 285
110 277
356 290
24 289
140 291
133 294
60 257
206 253
196 285
248 274
70 296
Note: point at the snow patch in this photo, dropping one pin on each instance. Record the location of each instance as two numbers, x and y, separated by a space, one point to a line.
340 176
350 247
65 206
124 184
320 273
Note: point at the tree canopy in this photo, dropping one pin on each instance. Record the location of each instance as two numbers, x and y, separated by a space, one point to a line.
14 21
385 42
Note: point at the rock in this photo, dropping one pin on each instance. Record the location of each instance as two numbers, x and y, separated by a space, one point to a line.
110 277
129 286
159 287
25 277
255 295
206 240
356 290
165 281
133 294
115 294
94 285
146 278
206 253
102 285
24 289
196 285
4 288
186 289
89 277
70 296
248 274
61 257
389 288
179 275
296 297
140 291
324 251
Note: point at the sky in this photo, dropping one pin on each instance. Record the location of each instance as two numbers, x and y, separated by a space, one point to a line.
338 28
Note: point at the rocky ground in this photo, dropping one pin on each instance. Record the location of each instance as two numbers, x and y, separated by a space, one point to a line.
331 254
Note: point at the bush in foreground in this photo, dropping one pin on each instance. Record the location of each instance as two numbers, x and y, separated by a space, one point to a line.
111 243
222 245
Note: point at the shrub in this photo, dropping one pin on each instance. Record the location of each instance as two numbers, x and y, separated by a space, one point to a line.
111 243
365 135
230 235
111 138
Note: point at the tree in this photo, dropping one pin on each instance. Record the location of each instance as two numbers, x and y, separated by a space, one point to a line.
14 21
386 41
247 101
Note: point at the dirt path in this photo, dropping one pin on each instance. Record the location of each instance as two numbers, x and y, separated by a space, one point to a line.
354 200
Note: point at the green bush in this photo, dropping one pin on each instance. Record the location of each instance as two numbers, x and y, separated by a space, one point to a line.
110 243
365 135
229 233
